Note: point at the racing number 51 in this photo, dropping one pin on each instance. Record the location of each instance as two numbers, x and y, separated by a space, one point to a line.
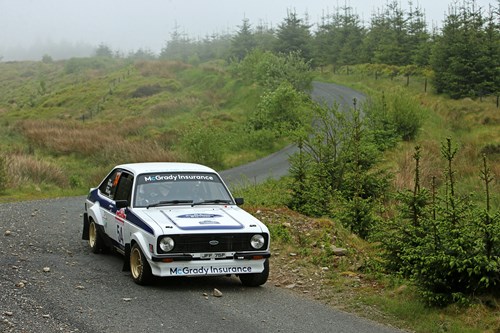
119 233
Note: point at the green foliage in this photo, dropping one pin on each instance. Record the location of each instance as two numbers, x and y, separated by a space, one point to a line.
394 117
293 36
339 40
270 193
396 37
466 57
358 215
75 181
200 143
317 169
447 244
244 41
280 110
311 192
280 232
335 167
180 47
270 70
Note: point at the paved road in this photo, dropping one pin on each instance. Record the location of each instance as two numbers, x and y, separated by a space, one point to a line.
276 165
50 282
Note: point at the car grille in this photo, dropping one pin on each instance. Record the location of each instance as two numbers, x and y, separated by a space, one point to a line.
205 243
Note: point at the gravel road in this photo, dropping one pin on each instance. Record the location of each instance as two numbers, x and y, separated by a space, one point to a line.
50 282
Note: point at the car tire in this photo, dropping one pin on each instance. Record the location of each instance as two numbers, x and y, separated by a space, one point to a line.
139 266
96 242
256 279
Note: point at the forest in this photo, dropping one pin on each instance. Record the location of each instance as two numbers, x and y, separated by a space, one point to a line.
462 57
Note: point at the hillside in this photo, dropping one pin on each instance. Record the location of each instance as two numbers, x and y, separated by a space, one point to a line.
63 124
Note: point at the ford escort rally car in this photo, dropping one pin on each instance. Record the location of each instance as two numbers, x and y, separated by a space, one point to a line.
175 219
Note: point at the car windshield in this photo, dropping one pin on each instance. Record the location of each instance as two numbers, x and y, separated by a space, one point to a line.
180 188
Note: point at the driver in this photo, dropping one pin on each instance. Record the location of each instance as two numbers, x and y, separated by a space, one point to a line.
153 193
160 191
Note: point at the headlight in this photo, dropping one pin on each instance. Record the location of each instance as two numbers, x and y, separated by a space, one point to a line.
167 244
257 241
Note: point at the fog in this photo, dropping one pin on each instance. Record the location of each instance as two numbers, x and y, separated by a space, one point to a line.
64 28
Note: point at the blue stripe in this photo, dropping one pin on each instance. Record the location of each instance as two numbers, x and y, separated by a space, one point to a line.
139 223
131 217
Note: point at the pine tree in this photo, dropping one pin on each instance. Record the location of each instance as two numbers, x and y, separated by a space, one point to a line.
293 35
339 39
243 42
179 47
466 56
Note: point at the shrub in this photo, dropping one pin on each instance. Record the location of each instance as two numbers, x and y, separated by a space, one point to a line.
280 110
393 117
270 70
201 144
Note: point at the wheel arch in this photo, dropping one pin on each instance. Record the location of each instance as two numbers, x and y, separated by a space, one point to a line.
139 239
94 213
134 239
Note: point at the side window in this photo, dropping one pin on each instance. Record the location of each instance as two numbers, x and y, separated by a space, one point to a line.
108 186
124 187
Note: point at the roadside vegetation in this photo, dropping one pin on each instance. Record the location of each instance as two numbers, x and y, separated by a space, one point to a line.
405 183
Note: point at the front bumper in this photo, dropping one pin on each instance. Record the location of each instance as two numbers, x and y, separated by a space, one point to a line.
207 267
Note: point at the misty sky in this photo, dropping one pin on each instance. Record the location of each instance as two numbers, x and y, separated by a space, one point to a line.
128 25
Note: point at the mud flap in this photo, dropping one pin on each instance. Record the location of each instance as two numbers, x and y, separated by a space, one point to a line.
85 233
126 259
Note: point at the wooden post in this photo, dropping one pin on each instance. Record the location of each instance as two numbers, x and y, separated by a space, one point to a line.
425 85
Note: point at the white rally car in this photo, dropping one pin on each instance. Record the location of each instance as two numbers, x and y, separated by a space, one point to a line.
175 219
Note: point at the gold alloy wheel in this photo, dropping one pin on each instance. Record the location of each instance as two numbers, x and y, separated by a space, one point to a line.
136 262
92 234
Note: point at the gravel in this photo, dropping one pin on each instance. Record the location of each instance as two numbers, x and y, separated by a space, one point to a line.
37 247
50 282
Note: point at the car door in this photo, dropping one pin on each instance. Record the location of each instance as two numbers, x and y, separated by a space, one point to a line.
106 203
121 203
116 188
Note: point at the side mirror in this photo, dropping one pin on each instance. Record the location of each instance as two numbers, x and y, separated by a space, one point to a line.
121 203
239 201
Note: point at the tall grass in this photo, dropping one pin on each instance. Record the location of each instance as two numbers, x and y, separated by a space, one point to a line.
474 124
103 143
29 170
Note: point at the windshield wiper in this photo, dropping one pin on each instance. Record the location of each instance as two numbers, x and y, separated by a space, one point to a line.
169 202
214 201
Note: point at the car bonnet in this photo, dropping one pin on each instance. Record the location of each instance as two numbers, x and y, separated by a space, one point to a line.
201 218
